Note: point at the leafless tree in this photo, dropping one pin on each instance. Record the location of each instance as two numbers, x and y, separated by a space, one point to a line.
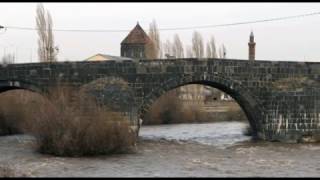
208 51
177 47
150 53
211 48
222 52
223 55
197 45
167 48
8 59
154 49
189 53
47 52
161 55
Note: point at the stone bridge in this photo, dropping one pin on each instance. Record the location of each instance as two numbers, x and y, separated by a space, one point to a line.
280 98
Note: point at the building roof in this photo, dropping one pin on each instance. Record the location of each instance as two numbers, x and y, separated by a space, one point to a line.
106 57
136 36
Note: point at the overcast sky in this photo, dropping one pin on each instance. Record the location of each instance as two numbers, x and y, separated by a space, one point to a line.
293 39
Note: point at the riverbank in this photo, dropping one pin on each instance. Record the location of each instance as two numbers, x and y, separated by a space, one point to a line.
164 157
171 110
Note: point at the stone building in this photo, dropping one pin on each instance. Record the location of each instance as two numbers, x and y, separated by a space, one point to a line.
135 44
105 57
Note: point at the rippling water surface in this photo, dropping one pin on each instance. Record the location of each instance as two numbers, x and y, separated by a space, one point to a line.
190 158
220 134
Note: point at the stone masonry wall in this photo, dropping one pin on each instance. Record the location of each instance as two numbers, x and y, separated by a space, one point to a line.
281 99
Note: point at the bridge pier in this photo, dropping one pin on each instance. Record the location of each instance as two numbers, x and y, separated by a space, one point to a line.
293 116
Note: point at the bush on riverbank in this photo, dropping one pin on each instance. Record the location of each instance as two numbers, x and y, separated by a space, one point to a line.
169 109
72 124
164 111
12 110
65 123
235 113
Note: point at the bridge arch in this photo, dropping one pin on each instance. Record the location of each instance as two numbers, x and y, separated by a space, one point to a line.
6 85
244 97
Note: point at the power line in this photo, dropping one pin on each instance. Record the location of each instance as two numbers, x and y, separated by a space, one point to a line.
171 29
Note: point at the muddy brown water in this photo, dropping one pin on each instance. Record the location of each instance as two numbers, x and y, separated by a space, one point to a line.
185 150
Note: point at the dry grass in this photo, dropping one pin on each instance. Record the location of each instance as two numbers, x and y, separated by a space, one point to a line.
170 109
235 113
66 123
13 106
74 125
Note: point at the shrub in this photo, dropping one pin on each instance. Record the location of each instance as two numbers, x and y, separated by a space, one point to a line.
74 125
164 110
170 109
236 115
12 110
65 123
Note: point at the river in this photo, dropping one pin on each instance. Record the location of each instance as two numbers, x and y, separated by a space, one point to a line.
182 150
220 134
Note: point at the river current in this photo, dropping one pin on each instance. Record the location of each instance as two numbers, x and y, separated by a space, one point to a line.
180 150
220 134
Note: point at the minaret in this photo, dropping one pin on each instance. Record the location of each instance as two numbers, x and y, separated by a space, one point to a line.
252 47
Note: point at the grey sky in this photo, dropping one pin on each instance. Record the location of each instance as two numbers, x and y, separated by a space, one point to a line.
294 39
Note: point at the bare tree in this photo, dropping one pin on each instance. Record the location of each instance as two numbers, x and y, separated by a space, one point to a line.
154 51
150 50
222 52
167 48
177 47
50 47
197 45
41 25
47 52
189 53
223 55
8 59
208 51
161 50
211 48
